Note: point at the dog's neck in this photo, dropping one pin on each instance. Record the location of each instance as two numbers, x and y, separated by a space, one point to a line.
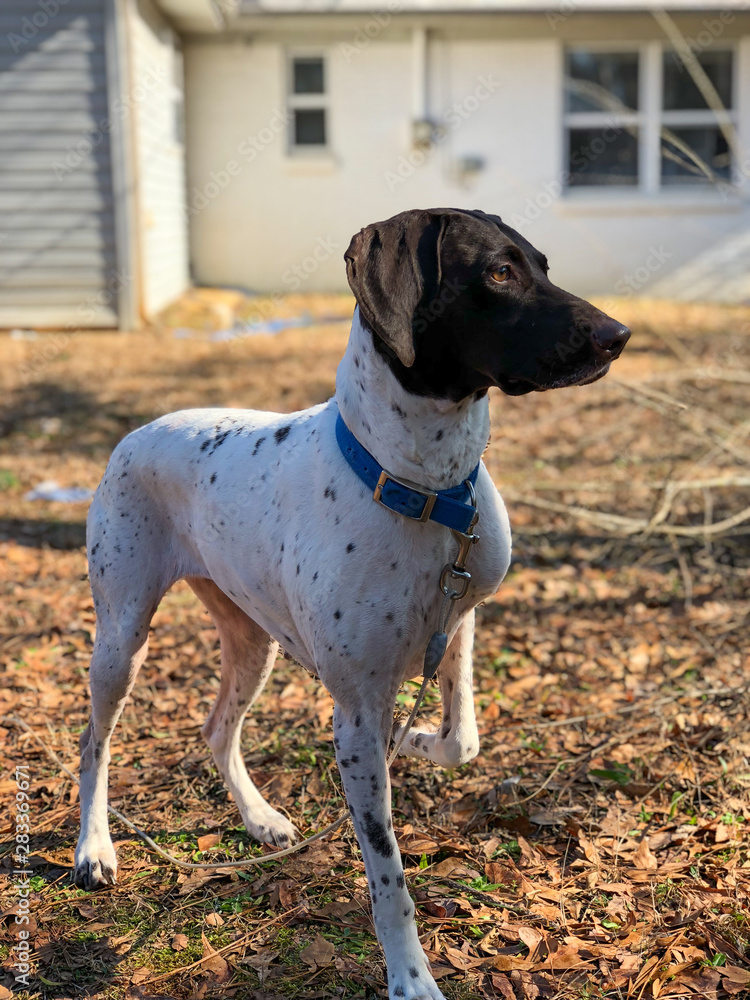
433 442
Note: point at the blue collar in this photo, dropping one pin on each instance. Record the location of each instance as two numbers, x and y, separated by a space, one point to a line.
453 507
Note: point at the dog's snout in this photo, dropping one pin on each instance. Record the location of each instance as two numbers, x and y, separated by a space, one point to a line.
609 337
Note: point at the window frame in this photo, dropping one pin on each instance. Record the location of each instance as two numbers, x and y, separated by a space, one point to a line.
648 119
307 102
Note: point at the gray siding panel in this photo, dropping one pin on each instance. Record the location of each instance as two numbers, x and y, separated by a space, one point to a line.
58 264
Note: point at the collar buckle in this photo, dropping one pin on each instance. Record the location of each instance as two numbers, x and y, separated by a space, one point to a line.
429 496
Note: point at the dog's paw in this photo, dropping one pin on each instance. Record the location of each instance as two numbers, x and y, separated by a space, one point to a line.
95 869
417 743
426 991
273 829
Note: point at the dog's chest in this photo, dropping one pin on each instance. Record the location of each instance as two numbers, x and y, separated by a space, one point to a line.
288 531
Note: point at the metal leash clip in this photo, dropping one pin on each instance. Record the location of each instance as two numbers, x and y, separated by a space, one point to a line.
455 578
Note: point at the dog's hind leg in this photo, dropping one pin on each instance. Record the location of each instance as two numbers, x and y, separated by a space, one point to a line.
457 740
122 623
247 658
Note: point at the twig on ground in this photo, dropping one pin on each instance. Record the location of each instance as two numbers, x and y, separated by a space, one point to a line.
618 523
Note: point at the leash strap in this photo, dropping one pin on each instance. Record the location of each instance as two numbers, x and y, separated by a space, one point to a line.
452 508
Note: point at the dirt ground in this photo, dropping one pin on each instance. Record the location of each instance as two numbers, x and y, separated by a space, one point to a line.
597 847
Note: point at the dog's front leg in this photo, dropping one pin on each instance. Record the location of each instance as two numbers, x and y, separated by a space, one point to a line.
361 736
457 740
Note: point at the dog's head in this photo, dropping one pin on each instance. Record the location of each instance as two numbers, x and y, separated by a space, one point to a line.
460 302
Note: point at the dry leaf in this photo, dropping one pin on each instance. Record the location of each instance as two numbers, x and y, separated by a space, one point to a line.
215 966
460 960
318 953
180 942
643 858
208 840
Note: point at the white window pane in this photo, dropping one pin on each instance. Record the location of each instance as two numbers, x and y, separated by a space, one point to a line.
602 81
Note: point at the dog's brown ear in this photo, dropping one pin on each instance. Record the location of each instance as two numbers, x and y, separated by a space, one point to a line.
391 267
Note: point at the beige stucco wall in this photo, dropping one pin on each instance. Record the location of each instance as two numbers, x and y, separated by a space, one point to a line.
156 84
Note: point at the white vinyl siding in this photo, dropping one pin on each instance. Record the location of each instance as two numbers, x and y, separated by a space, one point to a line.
58 264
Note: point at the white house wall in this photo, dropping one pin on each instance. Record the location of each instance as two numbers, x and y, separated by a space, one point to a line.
156 85
269 221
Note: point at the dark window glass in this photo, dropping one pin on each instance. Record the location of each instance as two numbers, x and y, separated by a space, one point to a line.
681 94
309 127
602 156
308 76
602 81
709 149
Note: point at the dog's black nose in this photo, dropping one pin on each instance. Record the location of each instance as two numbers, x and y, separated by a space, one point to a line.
609 337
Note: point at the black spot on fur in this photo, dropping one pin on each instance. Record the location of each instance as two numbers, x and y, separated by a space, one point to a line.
377 835
258 443
282 433
400 881
385 880
351 547
330 492
413 973
213 477
439 436
358 721
337 614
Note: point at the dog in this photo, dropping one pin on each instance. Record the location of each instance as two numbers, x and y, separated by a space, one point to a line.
274 523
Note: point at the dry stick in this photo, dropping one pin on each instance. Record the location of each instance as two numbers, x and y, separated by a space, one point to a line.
700 79
650 394
632 525
605 486
693 374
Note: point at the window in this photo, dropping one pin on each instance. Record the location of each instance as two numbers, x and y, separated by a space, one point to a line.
635 118
693 147
308 102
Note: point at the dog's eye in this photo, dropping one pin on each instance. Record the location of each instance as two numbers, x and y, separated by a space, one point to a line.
502 274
